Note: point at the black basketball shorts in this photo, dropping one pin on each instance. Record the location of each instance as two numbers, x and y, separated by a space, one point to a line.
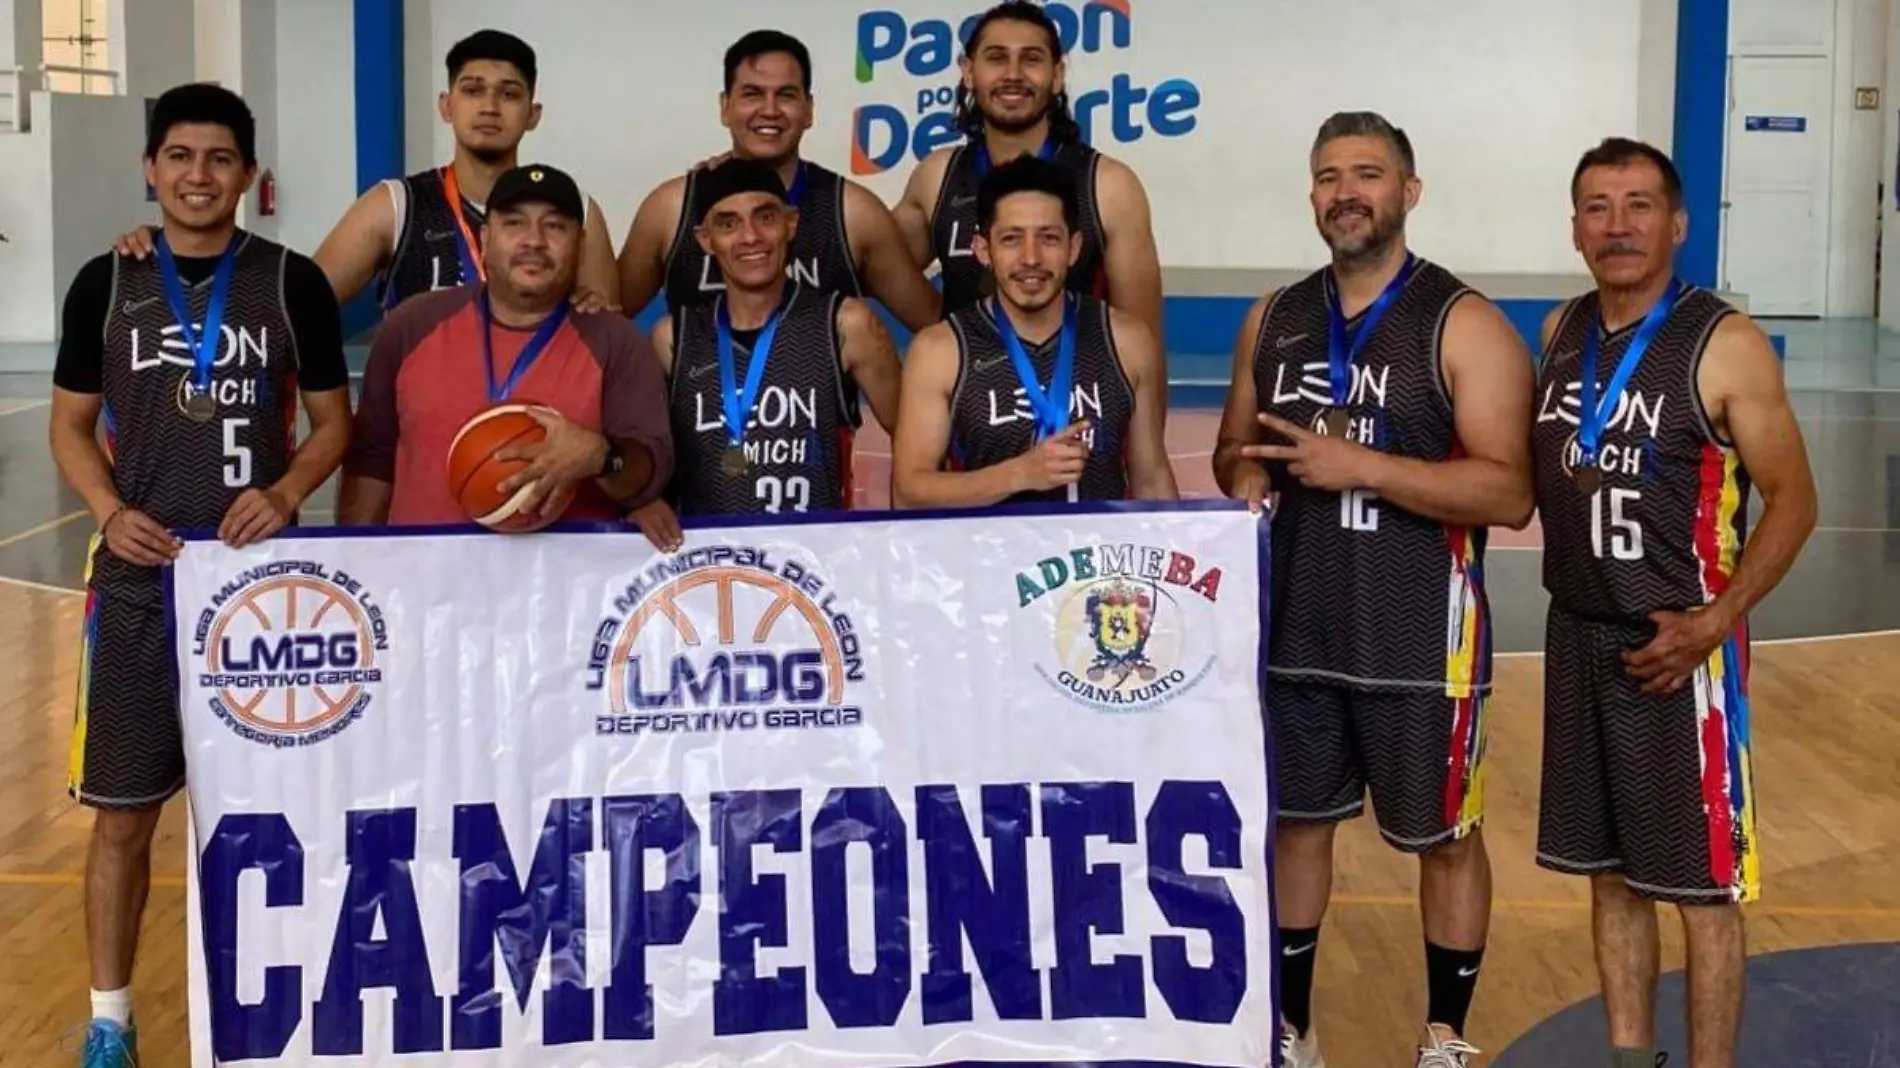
127 746
1420 753
1657 789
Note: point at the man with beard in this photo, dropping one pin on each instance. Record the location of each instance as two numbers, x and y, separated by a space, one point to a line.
1399 401
1013 102
424 232
846 239
765 379
1658 406
589 377
199 434
1079 386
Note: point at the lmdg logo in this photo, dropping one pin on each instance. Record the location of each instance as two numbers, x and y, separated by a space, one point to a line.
726 639
290 653
883 134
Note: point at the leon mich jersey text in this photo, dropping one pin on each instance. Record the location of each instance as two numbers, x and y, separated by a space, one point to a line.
1366 594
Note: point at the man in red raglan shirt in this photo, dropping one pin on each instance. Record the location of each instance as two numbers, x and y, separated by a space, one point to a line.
445 356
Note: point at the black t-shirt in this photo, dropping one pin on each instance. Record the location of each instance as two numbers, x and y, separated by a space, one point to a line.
316 324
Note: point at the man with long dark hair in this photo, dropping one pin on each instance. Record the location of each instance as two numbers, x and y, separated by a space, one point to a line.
1013 101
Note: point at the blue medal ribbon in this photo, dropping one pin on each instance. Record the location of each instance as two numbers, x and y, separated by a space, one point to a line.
1340 356
530 352
797 191
1593 412
1052 405
471 268
980 161
203 346
739 401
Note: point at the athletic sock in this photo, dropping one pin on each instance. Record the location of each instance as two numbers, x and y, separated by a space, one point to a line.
114 1005
1634 1058
1298 947
1451 977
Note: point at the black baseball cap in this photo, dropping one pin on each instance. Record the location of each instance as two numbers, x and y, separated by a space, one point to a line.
538 182
733 177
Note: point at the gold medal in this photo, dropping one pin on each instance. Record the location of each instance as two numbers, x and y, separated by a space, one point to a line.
733 462
1337 422
1589 480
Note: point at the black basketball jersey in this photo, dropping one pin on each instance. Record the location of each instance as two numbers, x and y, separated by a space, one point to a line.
1366 594
799 436
821 253
1664 531
428 254
183 473
991 420
965 281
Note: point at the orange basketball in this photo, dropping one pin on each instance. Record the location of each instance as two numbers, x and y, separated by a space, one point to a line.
475 474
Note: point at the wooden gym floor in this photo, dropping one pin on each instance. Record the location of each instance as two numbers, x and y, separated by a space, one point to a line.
1827 729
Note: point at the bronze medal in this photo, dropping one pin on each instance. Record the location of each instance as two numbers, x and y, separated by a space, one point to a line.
1589 480
198 405
1337 422
733 462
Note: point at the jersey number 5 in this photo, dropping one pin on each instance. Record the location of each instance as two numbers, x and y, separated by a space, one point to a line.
1626 534
237 456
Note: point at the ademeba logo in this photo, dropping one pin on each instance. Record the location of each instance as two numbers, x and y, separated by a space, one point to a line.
1132 627
917 121
290 653
727 639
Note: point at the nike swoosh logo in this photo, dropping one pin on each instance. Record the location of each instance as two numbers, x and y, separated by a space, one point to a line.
437 235
1289 341
961 202
1289 951
131 306
702 370
1466 973
984 365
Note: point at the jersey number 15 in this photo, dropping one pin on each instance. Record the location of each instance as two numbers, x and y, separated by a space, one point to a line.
1625 533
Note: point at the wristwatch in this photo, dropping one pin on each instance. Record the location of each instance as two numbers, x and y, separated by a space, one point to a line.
612 464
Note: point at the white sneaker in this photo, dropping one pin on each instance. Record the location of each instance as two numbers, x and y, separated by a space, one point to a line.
1445 1053
1297 1052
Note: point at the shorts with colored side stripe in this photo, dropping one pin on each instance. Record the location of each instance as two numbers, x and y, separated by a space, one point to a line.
1419 753
1655 788
127 747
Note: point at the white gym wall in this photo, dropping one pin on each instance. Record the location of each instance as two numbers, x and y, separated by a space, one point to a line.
1499 96
629 103
1803 163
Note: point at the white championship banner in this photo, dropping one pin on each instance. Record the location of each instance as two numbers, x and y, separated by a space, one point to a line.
879 791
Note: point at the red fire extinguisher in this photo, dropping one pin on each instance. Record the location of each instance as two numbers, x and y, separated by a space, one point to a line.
267 193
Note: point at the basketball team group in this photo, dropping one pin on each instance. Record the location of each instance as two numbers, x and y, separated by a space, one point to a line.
1381 412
